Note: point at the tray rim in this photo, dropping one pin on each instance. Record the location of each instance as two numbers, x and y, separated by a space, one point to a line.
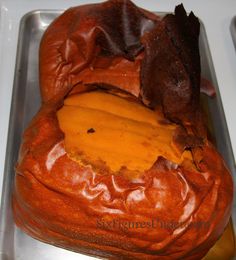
233 30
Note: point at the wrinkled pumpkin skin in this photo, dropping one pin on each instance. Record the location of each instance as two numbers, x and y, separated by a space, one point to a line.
70 201
61 202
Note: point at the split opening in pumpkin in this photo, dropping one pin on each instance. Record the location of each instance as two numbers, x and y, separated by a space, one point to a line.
114 132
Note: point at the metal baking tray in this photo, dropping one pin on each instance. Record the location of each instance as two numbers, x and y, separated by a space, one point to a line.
14 244
233 30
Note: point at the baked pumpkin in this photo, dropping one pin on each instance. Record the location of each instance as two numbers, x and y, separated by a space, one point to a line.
117 162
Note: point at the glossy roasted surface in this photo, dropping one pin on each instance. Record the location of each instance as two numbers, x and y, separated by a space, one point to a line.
54 193
171 210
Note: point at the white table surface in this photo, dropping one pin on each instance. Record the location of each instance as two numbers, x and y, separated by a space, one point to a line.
215 14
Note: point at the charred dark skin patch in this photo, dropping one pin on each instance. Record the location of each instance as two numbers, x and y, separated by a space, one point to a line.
170 72
91 131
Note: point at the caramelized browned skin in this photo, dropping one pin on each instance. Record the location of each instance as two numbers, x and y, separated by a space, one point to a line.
69 203
83 37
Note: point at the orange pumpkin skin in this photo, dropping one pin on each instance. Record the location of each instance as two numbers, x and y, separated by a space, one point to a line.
184 208
59 202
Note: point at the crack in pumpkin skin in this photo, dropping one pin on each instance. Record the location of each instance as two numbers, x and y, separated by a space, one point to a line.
126 134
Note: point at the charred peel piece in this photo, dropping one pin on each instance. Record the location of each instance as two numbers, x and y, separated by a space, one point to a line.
170 72
184 141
